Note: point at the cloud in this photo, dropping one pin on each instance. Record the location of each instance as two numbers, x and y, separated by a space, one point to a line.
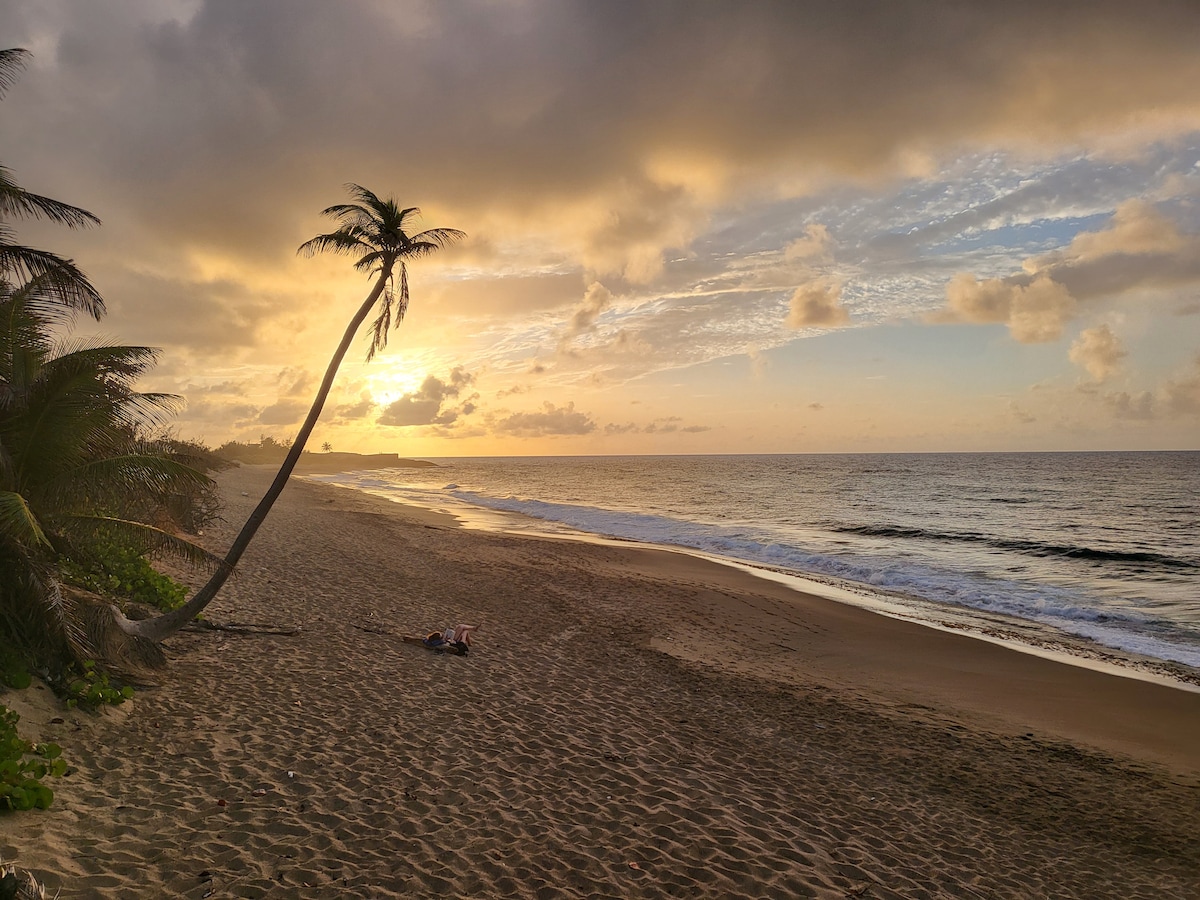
1139 249
295 382
815 247
1177 397
1182 395
596 299
353 411
425 405
603 119
1034 312
760 363
285 412
1098 351
1131 406
1022 416
817 305
662 425
552 420
693 158
503 295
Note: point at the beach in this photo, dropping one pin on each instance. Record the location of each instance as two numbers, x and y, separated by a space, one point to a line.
630 723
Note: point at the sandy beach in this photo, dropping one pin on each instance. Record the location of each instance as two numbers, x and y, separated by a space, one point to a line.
630 723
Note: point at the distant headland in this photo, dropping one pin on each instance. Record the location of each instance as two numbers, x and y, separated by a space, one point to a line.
269 452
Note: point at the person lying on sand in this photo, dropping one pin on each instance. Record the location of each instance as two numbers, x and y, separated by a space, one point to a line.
453 640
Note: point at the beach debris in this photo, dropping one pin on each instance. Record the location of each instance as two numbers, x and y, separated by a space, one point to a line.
19 884
222 802
372 628
634 865
246 628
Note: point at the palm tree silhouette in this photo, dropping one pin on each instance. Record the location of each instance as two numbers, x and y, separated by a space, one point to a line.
376 232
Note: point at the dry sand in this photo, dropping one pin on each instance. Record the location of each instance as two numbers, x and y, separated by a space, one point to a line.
630 723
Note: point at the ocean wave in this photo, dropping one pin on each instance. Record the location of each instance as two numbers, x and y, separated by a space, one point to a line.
1031 548
894 576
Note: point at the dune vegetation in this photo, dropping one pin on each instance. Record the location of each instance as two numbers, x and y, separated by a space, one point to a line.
92 484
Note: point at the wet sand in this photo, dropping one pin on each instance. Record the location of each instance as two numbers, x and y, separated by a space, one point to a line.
630 723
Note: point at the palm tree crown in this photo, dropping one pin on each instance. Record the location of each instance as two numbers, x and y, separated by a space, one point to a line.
376 231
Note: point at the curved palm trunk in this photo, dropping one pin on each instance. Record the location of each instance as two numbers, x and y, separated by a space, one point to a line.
164 626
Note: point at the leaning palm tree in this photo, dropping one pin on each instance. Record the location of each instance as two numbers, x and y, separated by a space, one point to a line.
377 232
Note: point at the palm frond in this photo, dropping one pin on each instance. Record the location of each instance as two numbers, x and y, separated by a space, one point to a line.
437 239
147 538
12 62
60 279
363 195
124 362
34 611
18 523
18 202
379 328
342 241
372 263
391 314
132 474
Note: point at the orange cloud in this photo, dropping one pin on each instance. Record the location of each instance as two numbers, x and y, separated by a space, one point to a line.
1035 311
817 305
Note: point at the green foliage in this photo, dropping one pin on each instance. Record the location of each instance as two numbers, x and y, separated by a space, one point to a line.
91 688
14 672
122 572
267 450
76 466
24 765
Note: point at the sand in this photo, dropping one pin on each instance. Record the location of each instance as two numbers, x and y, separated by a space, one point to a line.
630 723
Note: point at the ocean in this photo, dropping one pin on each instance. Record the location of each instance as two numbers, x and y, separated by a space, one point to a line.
1081 553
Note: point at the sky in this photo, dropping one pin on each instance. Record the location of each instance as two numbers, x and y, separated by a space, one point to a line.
693 227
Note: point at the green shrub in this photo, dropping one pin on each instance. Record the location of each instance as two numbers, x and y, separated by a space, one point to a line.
91 689
23 765
123 572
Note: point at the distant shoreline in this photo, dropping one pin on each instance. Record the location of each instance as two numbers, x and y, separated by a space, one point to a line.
334 462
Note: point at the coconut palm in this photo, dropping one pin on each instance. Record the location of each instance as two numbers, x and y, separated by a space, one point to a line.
73 471
375 231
